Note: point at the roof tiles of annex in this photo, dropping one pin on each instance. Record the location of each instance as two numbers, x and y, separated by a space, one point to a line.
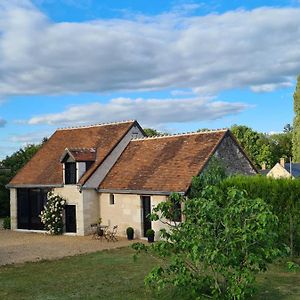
165 164
45 168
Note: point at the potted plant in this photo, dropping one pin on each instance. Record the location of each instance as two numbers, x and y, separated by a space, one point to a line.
99 229
130 233
150 235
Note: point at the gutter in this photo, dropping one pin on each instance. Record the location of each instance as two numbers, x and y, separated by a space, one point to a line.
8 186
138 192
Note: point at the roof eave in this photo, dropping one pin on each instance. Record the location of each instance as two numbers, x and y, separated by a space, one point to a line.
138 192
29 185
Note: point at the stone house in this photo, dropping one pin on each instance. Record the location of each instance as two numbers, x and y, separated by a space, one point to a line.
283 170
114 172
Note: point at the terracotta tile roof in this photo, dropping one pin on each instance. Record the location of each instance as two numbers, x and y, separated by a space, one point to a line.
163 163
80 154
45 167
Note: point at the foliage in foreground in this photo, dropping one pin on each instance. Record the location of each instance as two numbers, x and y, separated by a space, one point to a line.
224 241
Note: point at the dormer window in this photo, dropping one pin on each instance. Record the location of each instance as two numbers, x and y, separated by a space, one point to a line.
70 173
76 162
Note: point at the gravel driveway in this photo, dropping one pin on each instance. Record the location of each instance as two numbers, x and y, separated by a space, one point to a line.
19 247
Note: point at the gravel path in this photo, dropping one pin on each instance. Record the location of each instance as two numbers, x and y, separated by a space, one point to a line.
19 247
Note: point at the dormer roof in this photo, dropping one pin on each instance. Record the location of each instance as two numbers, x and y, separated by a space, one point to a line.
79 154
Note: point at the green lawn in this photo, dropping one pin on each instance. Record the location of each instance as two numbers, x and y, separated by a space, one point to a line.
113 275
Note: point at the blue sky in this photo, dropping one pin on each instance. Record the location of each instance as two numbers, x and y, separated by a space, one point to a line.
173 65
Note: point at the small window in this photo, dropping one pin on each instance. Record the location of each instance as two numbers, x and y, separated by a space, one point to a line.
111 199
70 173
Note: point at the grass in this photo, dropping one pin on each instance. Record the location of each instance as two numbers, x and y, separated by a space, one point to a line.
114 275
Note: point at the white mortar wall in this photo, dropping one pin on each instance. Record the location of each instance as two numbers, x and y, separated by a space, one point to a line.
73 197
13 208
91 210
127 212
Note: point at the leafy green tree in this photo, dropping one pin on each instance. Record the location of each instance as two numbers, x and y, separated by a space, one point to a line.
255 144
281 145
12 164
296 125
152 132
224 241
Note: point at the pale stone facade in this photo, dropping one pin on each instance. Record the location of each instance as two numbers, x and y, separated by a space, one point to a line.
127 212
13 209
278 171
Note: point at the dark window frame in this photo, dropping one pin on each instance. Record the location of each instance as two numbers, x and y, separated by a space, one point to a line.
70 173
111 199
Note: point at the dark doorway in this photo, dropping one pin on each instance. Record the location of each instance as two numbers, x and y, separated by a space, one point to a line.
70 213
30 203
146 206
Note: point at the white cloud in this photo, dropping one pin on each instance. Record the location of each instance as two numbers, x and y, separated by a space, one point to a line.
258 49
29 138
150 112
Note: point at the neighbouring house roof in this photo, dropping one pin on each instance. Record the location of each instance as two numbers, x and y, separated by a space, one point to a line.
165 163
80 154
45 167
287 166
264 172
295 169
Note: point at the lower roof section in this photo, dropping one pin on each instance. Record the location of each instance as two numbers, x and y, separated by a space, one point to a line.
162 164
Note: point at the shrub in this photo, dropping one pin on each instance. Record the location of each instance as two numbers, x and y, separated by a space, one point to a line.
224 241
150 233
130 233
6 223
52 215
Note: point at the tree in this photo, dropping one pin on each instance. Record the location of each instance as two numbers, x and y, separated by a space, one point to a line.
255 144
296 124
224 241
152 132
12 164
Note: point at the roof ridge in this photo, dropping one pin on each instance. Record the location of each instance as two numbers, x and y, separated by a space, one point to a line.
81 148
179 134
96 125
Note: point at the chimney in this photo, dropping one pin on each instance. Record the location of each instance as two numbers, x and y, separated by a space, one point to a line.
282 161
263 166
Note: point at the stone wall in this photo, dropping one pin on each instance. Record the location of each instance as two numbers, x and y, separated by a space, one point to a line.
233 158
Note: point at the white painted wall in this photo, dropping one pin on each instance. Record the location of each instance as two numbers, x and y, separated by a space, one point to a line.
80 169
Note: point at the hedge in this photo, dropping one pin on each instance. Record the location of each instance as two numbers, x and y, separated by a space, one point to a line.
284 197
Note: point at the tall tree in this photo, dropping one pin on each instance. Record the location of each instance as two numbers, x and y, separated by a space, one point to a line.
8 169
296 125
255 144
152 132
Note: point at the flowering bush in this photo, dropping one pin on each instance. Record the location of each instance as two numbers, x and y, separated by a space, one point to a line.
52 215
